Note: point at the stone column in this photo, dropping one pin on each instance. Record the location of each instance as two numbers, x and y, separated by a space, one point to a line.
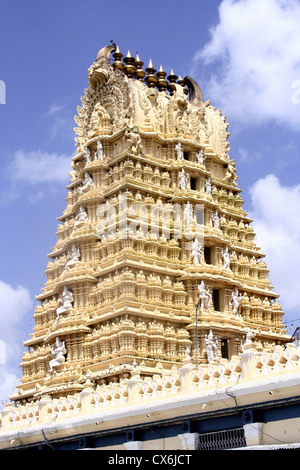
186 376
247 364
85 398
253 434
8 408
44 405
189 441
133 387
133 445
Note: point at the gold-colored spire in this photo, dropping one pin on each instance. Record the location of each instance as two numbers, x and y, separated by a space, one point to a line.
139 73
129 68
182 83
151 78
118 64
162 83
172 80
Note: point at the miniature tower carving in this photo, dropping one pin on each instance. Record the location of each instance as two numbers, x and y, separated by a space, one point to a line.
154 251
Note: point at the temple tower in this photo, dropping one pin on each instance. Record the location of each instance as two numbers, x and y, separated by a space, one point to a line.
155 254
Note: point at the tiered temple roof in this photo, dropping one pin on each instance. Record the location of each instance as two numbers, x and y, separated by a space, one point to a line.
155 256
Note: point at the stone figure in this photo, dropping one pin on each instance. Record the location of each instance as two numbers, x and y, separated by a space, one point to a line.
211 345
99 155
201 157
226 258
204 296
208 186
74 256
179 151
58 351
231 172
87 182
216 220
188 214
88 155
66 301
134 139
183 180
81 216
235 301
248 343
197 252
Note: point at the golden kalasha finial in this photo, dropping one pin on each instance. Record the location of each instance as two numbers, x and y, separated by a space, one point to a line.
151 79
129 68
162 83
182 83
172 80
118 64
139 73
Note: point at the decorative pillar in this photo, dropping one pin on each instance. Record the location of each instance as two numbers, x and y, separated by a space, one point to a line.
189 441
253 434
133 445
44 405
133 387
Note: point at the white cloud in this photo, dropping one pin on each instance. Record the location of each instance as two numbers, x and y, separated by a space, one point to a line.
8 382
245 156
38 167
54 108
275 211
256 50
15 304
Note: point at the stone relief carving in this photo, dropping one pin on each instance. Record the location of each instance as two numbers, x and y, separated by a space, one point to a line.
58 351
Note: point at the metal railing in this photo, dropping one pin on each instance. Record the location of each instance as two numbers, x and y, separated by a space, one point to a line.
219 440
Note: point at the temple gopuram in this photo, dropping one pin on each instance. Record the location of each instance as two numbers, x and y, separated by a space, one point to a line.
157 315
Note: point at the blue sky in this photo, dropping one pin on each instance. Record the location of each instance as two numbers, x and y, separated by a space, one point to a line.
244 54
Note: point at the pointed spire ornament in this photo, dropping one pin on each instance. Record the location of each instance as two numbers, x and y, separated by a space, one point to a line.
129 68
151 79
117 63
162 83
172 81
139 73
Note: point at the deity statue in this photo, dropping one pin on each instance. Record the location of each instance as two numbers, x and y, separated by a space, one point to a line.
201 157
208 186
216 220
66 301
235 301
248 343
58 352
88 155
183 180
74 256
197 252
179 151
231 172
134 139
81 216
204 296
226 258
99 155
188 214
88 181
211 347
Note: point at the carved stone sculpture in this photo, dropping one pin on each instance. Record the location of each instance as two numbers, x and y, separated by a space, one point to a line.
204 296
65 301
58 351
211 345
